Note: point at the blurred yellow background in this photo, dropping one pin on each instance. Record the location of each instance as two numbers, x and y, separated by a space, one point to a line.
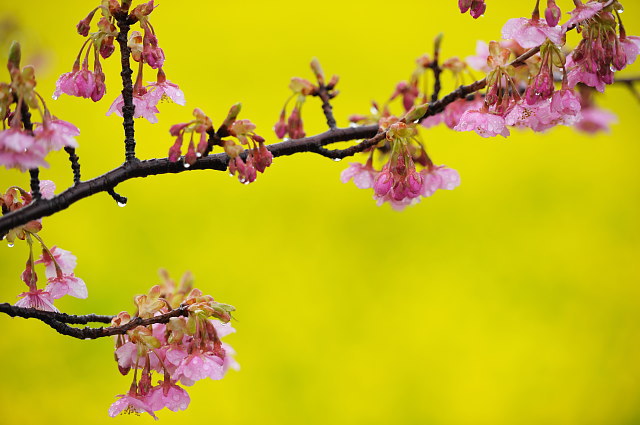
513 299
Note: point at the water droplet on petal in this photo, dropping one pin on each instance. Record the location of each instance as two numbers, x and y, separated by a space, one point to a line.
187 165
198 154
337 159
10 245
122 204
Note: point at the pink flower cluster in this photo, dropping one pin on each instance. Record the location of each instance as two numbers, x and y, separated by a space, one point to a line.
301 89
398 182
604 48
59 264
22 150
184 350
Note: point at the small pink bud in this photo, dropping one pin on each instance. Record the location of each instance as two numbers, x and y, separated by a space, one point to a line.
191 157
383 182
202 145
477 8
295 125
280 127
552 14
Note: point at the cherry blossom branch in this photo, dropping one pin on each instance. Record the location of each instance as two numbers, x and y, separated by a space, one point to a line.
108 181
136 169
59 321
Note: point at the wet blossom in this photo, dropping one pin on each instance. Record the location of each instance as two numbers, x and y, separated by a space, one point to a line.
438 177
195 366
65 260
363 175
145 106
38 299
20 150
531 32
81 83
166 90
60 286
566 102
170 396
55 134
582 13
131 403
486 124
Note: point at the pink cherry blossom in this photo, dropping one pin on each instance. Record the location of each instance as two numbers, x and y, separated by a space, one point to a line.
131 403
578 73
222 329
127 356
540 116
439 177
170 396
594 119
395 204
20 150
486 124
65 259
145 107
166 90
193 367
363 175
80 83
531 32
56 134
631 47
565 102
38 299
229 361
479 60
67 284
582 13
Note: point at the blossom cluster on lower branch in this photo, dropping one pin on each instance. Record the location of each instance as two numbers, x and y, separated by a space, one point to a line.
182 351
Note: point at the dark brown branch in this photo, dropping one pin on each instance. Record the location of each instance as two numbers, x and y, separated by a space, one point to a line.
55 320
128 109
15 311
75 164
437 70
34 173
327 109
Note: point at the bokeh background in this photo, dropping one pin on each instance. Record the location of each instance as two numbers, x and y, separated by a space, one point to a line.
512 300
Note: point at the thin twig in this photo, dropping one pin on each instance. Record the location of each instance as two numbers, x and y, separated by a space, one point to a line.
75 164
437 70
